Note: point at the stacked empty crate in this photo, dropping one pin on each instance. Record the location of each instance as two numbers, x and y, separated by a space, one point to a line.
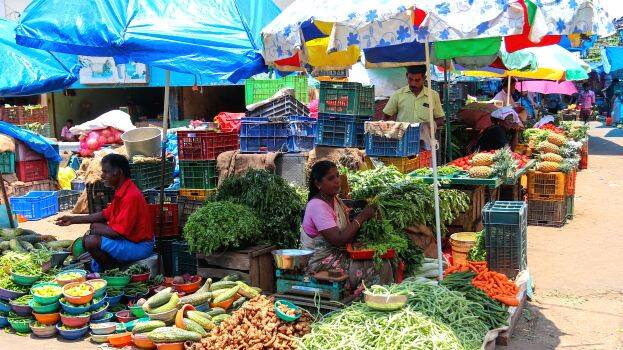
343 108
548 197
400 150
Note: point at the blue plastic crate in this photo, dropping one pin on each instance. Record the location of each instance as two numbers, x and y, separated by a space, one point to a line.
253 144
287 135
409 145
300 143
35 205
340 130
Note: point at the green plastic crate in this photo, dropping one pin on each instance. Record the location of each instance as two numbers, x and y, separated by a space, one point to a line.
7 162
256 90
199 174
184 261
570 211
147 175
346 98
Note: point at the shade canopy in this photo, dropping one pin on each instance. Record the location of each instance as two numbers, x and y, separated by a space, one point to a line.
218 38
612 59
25 71
547 87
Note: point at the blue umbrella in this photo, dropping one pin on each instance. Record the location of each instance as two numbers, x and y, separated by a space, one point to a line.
29 71
217 38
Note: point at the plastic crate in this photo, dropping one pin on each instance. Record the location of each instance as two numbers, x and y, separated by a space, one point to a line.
404 164
340 130
205 144
7 162
183 260
584 157
196 194
98 196
198 174
261 135
570 207
546 185
67 199
32 170
170 223
346 98
408 145
165 248
149 175
256 90
282 107
186 207
506 236
570 180
21 188
25 115
152 195
35 205
550 213
78 185
25 153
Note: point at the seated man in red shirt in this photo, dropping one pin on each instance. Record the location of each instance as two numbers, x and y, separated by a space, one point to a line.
122 233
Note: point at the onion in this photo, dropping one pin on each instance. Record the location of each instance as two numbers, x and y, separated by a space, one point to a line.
101 140
110 139
93 144
106 132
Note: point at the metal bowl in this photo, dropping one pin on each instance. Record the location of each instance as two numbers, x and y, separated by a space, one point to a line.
390 302
292 259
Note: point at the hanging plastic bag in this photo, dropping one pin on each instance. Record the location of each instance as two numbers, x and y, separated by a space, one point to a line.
65 176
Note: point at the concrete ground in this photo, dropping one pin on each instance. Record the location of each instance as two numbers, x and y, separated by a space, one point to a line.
578 301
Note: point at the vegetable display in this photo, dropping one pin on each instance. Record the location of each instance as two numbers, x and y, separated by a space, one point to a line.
220 226
478 252
497 286
369 183
273 200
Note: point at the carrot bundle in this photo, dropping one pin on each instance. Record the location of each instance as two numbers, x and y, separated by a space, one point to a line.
497 286
474 266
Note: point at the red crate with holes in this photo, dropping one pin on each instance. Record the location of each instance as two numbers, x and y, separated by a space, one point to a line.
570 183
205 144
170 226
32 170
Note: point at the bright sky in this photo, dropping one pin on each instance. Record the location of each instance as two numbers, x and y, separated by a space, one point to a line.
614 7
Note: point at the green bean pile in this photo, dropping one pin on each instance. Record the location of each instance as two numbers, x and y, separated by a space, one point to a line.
357 327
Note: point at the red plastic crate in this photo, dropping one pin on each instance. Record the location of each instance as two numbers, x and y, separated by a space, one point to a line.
367 254
32 170
170 223
205 144
570 183
584 157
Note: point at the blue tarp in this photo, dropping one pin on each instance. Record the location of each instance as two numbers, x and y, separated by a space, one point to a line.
219 38
35 141
27 71
612 58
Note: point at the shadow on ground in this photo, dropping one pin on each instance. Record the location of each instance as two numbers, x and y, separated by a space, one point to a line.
602 147
534 330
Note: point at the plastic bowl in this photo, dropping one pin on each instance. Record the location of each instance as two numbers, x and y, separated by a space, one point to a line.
48 319
190 287
114 300
22 325
5 307
72 334
118 282
124 316
21 310
47 331
43 309
103 328
78 300
100 292
283 315
24 280
166 316
63 282
97 314
390 302
4 321
170 346
106 318
138 311
75 321
141 341
99 338
46 300
121 339
71 309
6 294
97 303
142 277
130 325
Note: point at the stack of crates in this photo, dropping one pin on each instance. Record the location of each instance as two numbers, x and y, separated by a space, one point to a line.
407 146
147 175
547 202
288 134
29 165
506 236
570 193
256 90
197 151
343 109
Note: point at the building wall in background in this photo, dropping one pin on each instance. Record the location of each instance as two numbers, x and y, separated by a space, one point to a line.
11 9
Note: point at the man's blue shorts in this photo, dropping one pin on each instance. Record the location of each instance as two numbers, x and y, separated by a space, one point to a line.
125 251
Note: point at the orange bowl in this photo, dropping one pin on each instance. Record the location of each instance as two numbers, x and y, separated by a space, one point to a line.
179 317
224 304
190 287
121 339
142 341
78 300
170 346
48 319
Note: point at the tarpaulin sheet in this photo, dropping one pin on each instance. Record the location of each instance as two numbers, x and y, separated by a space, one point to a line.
612 58
219 38
25 71
35 141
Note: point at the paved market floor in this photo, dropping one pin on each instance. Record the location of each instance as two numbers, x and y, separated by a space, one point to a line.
577 269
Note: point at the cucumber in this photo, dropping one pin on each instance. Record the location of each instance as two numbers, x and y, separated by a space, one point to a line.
246 291
5 245
147 326
196 298
172 335
158 299
170 305
202 321
57 245
206 286
223 285
36 238
216 311
16 247
226 295
232 277
26 245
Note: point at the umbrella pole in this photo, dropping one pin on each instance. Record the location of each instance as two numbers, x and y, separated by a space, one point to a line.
508 91
434 147
446 101
6 203
165 126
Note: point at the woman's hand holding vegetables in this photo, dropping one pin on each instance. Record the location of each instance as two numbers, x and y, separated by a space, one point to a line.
368 213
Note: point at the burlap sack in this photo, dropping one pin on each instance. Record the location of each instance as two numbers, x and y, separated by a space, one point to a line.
233 162
7 144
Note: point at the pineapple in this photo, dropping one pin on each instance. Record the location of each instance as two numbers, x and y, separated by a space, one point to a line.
548 167
480 171
546 147
551 157
482 159
556 139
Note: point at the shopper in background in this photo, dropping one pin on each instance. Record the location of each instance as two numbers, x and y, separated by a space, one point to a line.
586 100
66 135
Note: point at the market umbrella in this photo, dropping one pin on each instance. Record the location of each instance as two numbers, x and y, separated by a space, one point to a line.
27 71
547 87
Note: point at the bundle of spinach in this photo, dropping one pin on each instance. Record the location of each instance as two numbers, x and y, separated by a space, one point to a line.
478 252
272 199
221 226
368 183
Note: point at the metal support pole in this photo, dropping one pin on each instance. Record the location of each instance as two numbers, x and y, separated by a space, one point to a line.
165 127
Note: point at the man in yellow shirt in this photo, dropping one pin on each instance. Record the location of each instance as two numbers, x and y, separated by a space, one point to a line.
410 104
